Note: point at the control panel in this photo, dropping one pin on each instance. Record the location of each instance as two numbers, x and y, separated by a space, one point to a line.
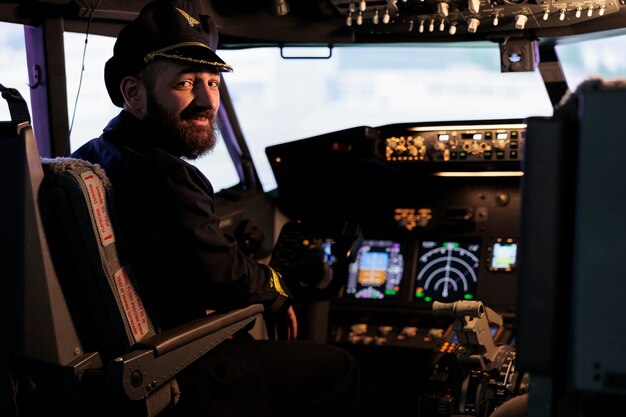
427 335
456 143
385 335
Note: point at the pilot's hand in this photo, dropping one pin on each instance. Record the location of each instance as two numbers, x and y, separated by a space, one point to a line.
282 325
291 325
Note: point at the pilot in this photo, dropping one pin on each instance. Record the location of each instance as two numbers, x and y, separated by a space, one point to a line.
165 76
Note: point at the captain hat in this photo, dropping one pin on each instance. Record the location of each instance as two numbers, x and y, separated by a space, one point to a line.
169 29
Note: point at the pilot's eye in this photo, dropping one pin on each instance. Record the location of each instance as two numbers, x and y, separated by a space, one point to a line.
184 84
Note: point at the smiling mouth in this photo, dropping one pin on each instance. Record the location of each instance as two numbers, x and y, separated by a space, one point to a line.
200 119
203 121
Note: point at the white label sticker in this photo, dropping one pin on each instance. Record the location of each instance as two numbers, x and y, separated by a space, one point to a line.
97 200
133 307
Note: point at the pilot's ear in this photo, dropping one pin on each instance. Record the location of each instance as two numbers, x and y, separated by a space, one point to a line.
134 94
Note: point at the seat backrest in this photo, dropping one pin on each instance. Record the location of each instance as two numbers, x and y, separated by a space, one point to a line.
77 208
77 211
77 296
72 293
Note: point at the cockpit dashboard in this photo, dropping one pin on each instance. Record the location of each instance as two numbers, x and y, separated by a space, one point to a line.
437 205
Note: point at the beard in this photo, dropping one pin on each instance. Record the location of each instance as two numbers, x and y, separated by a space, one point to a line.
179 138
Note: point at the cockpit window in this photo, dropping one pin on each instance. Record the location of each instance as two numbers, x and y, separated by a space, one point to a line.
592 58
15 75
279 100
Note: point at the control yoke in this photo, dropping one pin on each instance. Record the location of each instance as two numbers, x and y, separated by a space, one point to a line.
472 329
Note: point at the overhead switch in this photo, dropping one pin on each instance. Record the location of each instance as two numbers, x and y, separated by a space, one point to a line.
472 25
474 6
520 21
443 8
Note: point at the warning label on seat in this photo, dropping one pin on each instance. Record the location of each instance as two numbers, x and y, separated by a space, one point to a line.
97 200
133 307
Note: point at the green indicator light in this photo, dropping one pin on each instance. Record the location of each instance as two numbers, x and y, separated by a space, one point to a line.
451 244
468 296
428 299
390 292
419 294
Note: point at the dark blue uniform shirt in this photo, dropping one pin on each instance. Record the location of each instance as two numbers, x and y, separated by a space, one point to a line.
182 260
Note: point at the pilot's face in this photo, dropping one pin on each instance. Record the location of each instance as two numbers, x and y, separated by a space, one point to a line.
183 100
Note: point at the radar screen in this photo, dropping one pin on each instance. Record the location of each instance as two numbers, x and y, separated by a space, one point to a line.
377 271
447 270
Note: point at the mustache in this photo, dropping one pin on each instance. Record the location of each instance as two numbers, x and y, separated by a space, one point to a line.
193 111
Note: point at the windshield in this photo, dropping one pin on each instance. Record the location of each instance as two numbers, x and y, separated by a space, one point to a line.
280 100
601 57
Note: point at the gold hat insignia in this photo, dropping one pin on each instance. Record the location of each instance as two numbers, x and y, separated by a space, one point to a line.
190 19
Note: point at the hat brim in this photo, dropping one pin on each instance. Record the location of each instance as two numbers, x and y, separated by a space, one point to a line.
191 52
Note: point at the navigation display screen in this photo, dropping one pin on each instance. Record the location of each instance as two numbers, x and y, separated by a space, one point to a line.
447 270
504 256
377 271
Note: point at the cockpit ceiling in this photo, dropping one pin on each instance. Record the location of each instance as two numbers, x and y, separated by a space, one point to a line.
244 23
392 21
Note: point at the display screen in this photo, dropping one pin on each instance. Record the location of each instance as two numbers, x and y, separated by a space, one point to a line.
504 255
475 136
447 270
377 270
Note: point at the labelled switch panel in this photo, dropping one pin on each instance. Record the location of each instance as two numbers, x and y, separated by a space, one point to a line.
456 143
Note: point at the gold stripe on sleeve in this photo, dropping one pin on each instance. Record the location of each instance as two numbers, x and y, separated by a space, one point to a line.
276 282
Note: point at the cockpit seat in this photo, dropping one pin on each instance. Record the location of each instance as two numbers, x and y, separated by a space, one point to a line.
79 337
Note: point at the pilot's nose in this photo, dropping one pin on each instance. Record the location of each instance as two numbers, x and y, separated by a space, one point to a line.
207 96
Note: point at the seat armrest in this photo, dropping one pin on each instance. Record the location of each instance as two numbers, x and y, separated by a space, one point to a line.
158 359
172 339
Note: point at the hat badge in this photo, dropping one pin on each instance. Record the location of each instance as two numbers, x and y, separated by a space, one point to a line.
192 22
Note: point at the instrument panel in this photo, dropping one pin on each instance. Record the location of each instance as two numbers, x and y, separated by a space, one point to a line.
438 208
456 143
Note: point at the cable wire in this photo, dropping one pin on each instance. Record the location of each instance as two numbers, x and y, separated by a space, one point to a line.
80 81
